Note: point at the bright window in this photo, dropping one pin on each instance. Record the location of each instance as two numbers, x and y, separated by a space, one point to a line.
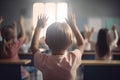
55 12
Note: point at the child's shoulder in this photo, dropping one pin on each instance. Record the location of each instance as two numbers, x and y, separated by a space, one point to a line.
76 52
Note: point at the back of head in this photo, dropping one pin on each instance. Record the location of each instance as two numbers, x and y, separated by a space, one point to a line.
59 36
103 42
7 33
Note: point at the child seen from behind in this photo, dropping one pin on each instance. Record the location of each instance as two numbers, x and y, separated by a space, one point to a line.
61 64
9 46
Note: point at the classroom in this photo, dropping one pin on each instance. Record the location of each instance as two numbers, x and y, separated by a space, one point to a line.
59 40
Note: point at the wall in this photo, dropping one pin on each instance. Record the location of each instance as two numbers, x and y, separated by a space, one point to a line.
12 9
101 8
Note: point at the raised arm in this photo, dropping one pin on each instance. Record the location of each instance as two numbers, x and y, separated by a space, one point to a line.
88 35
35 41
114 42
21 21
15 29
80 41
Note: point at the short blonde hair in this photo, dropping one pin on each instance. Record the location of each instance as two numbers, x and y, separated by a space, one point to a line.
59 36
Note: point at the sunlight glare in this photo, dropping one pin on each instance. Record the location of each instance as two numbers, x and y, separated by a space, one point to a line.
61 12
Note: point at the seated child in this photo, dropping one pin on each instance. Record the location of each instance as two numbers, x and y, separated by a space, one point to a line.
104 44
61 64
9 46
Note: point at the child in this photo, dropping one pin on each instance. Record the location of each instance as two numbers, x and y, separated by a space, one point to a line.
61 65
88 35
9 45
104 44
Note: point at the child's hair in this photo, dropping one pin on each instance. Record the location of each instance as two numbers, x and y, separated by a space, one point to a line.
7 34
59 36
103 42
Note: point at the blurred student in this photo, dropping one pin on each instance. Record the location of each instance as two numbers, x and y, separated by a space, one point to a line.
9 46
61 64
27 42
86 34
104 44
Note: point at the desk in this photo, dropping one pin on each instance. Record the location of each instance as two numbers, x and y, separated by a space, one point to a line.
87 55
100 62
101 69
27 56
94 69
17 62
11 69
90 55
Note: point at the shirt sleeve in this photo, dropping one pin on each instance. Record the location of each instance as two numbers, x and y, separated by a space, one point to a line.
77 52
76 55
39 59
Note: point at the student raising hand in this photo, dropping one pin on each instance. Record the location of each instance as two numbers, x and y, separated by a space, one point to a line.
88 32
71 21
15 29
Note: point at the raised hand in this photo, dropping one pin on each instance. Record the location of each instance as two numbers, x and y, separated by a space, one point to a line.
42 21
21 21
15 29
35 41
87 31
71 21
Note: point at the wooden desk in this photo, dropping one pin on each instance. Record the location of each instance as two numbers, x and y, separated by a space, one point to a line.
101 69
11 69
87 55
93 52
18 62
27 56
94 69
90 55
100 62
